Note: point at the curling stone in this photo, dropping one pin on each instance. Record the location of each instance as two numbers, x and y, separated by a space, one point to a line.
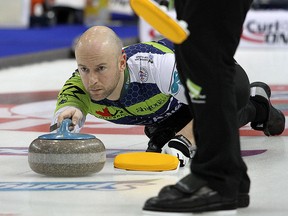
66 154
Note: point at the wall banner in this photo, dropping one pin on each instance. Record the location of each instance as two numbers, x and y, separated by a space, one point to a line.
261 29
265 29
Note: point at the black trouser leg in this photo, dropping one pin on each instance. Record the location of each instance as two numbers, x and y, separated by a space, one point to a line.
206 60
246 109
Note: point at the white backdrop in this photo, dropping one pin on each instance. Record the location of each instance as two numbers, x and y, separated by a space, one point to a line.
261 29
14 13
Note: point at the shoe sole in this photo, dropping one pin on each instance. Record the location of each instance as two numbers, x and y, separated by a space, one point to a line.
270 130
217 213
243 200
217 207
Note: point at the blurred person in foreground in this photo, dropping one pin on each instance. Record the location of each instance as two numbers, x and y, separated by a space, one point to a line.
218 179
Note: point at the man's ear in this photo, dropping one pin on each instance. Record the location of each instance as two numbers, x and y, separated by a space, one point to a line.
122 62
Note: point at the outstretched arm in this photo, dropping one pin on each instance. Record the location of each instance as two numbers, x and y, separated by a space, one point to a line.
72 102
75 114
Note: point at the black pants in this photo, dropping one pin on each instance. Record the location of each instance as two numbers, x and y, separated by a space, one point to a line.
205 61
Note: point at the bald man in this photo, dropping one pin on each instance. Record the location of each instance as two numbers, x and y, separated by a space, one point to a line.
139 85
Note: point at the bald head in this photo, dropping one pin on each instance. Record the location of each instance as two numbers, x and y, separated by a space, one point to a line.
101 63
99 39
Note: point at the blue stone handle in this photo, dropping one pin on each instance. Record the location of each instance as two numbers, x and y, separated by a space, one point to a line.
63 133
64 128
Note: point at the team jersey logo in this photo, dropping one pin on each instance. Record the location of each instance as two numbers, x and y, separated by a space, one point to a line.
143 74
150 57
104 113
175 83
110 114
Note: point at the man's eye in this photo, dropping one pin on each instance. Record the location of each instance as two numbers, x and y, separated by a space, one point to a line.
100 68
84 69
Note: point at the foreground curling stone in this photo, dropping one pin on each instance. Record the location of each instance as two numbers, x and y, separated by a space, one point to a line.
65 154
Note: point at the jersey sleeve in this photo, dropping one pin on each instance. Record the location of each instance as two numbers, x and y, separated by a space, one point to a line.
73 94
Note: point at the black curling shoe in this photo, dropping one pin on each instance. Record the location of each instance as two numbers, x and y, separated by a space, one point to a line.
275 121
195 197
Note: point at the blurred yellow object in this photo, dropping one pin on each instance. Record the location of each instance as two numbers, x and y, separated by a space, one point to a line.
156 16
146 161
97 13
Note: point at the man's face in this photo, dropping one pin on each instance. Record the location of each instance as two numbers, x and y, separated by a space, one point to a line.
100 73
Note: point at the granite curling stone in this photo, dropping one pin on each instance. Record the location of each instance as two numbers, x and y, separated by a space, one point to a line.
66 154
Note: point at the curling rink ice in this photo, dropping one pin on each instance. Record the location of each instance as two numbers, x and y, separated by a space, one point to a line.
27 100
